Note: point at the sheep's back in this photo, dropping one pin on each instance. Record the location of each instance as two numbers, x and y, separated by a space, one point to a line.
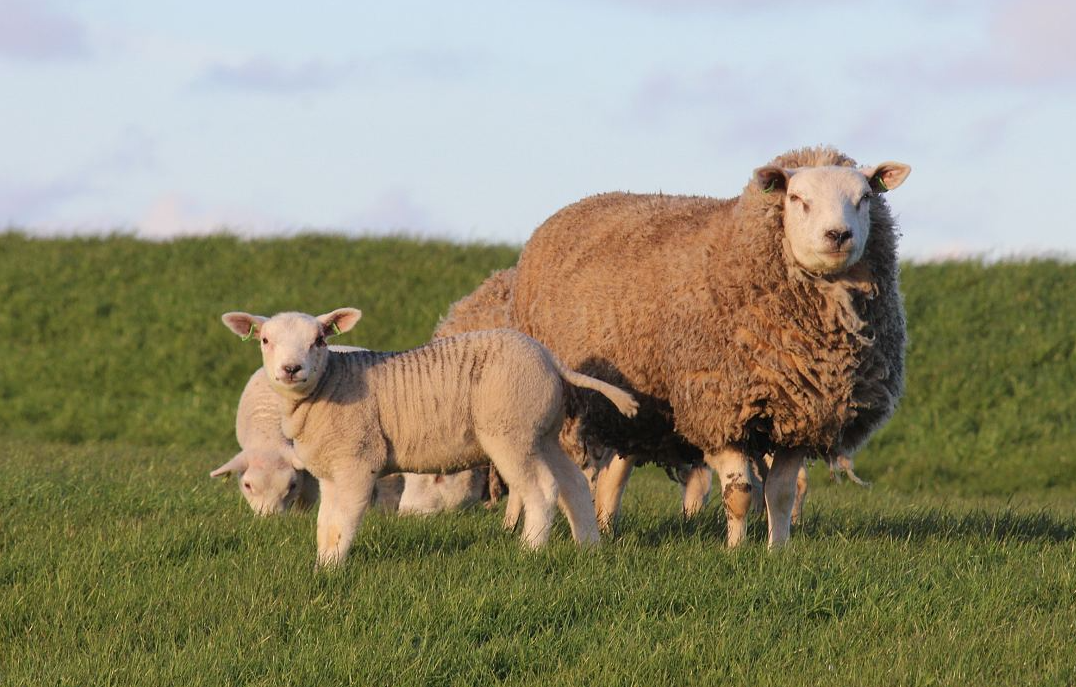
594 279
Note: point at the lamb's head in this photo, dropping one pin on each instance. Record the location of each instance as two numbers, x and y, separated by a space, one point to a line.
827 210
267 479
294 352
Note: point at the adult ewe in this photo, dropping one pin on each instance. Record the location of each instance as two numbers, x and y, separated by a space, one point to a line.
767 323
437 408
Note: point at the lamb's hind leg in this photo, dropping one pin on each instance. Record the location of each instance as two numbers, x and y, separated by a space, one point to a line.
732 469
573 491
344 499
781 493
527 476
512 510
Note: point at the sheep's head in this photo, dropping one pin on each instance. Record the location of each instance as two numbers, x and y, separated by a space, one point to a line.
294 352
267 479
827 210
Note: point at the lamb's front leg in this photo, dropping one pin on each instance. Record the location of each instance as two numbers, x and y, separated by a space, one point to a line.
781 491
345 496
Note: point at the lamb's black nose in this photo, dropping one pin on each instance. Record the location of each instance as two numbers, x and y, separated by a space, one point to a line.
292 369
838 236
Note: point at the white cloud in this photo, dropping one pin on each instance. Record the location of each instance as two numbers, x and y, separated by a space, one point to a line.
172 215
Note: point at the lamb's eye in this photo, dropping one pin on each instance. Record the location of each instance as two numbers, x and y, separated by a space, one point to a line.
795 199
265 340
247 485
320 341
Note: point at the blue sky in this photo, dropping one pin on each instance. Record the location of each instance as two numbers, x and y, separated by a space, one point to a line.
477 120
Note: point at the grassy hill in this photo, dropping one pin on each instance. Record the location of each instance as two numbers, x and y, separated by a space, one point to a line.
120 340
122 563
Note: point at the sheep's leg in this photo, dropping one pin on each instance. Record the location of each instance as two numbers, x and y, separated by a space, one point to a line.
573 492
697 484
609 491
531 480
781 493
513 510
344 499
801 494
844 462
732 468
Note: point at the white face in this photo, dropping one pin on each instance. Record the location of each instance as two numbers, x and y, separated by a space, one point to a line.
294 352
269 484
827 217
827 210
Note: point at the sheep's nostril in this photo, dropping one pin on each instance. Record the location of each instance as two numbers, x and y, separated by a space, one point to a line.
839 237
292 369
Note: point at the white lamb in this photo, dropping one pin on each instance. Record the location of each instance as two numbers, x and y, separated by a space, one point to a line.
437 408
267 478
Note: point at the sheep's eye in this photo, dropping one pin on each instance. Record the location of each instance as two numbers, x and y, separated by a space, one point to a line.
320 341
247 486
265 340
795 199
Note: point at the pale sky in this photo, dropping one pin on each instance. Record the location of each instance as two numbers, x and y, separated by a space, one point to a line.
477 120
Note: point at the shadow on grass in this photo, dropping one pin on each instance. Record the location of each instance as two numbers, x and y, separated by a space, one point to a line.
919 525
1000 526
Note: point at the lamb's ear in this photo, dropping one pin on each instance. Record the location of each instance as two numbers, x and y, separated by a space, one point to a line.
293 458
236 464
243 324
773 178
886 176
339 321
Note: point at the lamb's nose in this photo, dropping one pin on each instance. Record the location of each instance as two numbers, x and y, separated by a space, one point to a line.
838 236
292 369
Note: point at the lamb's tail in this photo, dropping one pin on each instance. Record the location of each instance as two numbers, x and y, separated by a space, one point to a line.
623 401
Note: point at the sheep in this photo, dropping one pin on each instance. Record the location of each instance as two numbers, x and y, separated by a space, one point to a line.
488 307
267 479
264 464
769 323
427 494
353 416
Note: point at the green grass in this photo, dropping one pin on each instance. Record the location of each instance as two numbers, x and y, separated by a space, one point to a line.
122 563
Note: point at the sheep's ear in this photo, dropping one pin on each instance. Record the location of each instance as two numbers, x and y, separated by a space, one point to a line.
772 178
293 458
339 321
243 324
886 176
236 464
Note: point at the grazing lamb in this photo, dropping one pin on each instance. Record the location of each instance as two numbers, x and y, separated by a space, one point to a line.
437 408
767 323
428 494
267 478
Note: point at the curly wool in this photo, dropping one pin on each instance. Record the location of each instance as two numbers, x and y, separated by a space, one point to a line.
484 308
694 304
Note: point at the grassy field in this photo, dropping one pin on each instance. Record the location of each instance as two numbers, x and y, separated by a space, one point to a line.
122 563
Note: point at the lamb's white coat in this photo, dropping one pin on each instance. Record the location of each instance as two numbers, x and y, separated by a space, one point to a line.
437 408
